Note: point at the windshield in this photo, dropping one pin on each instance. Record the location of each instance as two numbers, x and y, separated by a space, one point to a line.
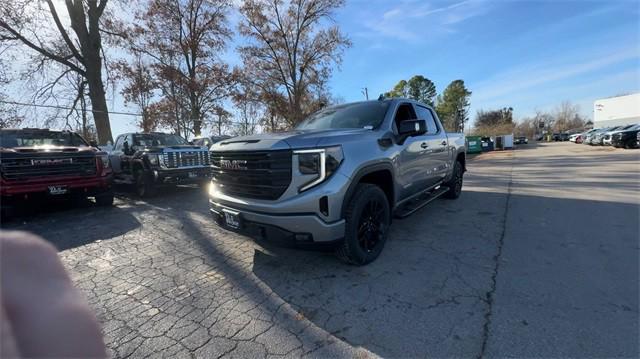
355 115
26 138
158 139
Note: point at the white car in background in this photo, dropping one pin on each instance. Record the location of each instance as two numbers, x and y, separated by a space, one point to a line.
573 137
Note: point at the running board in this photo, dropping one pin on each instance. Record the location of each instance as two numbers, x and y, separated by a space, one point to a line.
414 205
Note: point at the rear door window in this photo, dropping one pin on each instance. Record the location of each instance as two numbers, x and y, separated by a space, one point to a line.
425 114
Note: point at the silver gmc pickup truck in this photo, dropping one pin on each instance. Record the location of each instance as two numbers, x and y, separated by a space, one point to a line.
339 177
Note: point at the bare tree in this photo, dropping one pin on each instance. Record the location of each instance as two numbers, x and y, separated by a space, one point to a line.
78 51
250 112
567 117
222 121
527 127
291 55
8 114
183 38
139 88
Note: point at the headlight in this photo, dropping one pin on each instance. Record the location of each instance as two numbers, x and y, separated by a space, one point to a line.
105 161
321 162
154 160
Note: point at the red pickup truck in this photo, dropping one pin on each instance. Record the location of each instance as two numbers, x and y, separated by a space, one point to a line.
47 163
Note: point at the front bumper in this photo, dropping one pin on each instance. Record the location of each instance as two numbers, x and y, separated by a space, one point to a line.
297 228
87 186
182 175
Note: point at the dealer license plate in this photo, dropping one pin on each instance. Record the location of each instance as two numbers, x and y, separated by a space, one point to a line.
232 219
57 190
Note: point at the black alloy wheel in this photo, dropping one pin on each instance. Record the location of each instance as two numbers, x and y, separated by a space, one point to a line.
371 227
367 219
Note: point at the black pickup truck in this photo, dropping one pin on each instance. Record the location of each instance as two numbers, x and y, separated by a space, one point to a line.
150 160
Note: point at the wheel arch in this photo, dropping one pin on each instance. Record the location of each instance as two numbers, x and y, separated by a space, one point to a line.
380 174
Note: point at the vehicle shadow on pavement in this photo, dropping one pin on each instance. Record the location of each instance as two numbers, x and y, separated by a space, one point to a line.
427 293
424 296
51 221
128 192
288 329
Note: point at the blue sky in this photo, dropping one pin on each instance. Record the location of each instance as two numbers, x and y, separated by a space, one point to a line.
530 55
525 54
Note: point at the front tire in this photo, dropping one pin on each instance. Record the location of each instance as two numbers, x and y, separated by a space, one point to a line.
455 183
368 217
144 187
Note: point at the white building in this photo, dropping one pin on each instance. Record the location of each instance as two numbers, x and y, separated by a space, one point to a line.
616 111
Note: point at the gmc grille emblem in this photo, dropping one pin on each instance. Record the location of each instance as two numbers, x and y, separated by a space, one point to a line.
234 164
52 162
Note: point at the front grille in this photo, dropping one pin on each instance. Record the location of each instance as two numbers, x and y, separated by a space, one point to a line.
177 159
44 165
259 175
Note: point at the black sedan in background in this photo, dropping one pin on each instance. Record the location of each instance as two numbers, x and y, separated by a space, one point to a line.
626 139
521 140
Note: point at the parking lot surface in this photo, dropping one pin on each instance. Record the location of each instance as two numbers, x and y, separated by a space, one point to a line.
538 258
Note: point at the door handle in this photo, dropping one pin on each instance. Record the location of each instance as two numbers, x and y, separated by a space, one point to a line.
444 143
424 145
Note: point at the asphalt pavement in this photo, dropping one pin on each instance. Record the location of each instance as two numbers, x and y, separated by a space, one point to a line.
539 257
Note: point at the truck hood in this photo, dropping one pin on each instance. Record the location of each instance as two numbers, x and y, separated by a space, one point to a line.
289 140
47 149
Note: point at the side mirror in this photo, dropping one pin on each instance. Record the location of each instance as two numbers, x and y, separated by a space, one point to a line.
93 143
412 128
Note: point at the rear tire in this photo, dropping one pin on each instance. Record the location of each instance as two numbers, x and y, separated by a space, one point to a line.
105 200
368 217
455 183
144 186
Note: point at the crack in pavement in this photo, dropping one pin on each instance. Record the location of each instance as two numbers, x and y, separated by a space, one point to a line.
491 292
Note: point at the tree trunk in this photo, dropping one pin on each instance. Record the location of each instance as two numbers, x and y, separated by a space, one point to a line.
83 107
195 114
91 45
99 107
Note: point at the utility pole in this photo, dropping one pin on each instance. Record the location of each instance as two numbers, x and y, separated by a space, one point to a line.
365 92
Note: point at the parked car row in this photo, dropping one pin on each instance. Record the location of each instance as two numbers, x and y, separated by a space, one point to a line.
627 136
41 162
